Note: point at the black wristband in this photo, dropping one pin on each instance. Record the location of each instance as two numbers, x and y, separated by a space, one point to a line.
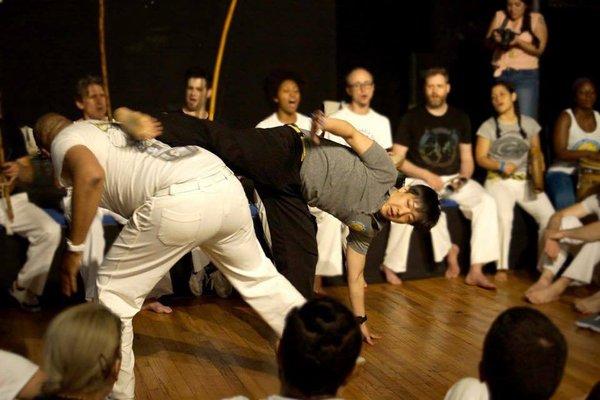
361 319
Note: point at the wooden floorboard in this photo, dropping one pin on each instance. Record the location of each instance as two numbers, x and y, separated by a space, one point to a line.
432 331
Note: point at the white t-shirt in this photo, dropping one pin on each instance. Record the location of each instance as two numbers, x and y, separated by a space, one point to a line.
302 121
15 372
134 171
592 205
468 389
578 140
372 124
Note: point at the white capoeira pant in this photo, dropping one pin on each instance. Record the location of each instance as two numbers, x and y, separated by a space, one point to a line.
215 217
476 204
43 234
587 255
331 235
507 193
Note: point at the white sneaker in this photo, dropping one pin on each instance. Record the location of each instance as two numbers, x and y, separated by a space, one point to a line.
196 281
592 323
27 300
220 284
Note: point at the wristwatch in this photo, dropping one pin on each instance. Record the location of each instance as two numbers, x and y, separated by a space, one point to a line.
361 319
79 248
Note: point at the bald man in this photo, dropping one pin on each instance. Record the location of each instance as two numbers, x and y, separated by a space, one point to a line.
175 199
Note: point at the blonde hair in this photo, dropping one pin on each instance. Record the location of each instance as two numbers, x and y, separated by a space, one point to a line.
81 346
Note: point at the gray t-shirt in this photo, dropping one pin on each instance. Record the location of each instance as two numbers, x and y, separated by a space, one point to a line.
510 146
349 187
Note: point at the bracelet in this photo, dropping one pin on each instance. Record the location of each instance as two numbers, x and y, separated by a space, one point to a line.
75 248
502 166
361 319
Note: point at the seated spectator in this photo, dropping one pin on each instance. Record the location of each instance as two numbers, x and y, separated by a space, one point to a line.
564 233
18 215
576 135
318 351
284 91
503 146
82 353
524 357
19 377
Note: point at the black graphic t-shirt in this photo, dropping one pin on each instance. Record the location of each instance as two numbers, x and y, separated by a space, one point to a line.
433 141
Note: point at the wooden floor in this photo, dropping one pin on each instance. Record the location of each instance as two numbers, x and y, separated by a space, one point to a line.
432 331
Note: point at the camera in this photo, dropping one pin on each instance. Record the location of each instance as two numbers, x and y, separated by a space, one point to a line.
506 37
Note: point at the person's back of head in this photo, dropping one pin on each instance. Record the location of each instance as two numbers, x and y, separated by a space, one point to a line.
319 347
524 356
82 351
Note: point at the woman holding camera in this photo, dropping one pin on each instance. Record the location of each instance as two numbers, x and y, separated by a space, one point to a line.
519 37
504 144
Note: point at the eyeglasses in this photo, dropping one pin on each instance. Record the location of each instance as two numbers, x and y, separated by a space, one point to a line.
361 85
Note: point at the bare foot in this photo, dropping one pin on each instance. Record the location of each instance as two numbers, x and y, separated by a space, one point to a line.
157 307
589 305
549 294
479 279
453 269
391 276
501 276
541 283
318 286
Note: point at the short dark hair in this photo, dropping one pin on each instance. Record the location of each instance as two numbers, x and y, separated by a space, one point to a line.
319 347
524 355
276 78
197 72
428 73
578 83
429 208
81 88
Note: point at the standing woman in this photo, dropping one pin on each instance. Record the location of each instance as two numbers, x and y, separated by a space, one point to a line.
519 37
576 135
503 146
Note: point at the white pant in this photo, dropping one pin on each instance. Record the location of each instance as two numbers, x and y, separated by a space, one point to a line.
476 204
331 235
582 267
507 192
43 234
162 230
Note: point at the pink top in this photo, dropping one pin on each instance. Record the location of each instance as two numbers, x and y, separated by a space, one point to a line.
515 58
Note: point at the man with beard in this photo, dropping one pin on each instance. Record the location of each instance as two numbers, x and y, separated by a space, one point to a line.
436 141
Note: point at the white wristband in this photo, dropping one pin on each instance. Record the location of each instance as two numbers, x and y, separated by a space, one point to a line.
79 248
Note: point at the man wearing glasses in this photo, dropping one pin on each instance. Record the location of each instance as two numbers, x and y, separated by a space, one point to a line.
361 87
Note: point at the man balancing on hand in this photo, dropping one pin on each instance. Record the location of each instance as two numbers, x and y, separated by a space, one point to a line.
175 199
291 169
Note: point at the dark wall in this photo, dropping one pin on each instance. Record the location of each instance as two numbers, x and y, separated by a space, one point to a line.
48 44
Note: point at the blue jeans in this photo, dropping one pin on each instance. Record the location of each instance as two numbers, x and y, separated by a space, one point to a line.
527 84
561 189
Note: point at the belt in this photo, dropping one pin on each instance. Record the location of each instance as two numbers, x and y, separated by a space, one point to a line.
197 184
519 176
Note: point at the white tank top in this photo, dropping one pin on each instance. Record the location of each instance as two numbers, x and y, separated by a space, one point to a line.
578 140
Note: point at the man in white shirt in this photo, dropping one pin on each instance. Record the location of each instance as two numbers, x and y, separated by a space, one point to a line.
360 86
175 199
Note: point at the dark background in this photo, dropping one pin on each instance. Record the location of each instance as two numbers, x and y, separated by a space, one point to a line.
46 45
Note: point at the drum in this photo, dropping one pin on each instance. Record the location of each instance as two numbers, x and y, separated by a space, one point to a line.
588 182
536 169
